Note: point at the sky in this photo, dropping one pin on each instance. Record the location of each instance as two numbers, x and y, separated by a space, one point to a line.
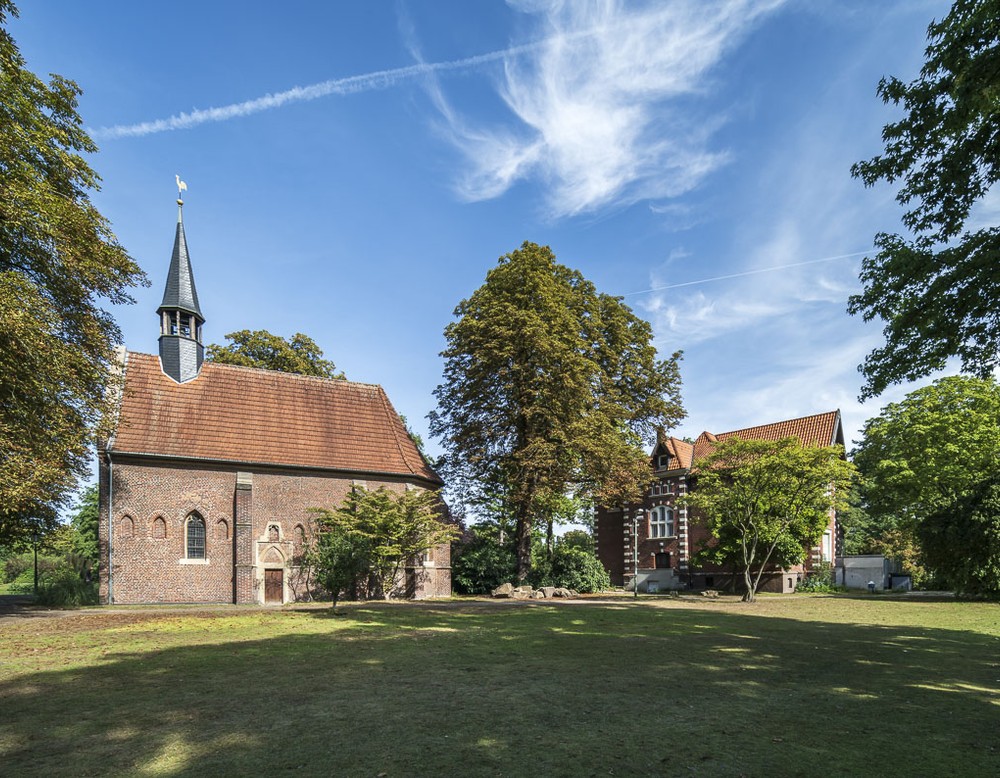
354 169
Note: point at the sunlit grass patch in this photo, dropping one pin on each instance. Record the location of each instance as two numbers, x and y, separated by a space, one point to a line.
655 687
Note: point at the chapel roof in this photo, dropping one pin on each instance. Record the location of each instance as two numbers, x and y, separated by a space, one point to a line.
247 415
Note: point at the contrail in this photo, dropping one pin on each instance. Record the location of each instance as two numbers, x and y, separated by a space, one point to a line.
382 79
746 273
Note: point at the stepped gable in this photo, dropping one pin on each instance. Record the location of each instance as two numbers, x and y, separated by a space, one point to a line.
264 417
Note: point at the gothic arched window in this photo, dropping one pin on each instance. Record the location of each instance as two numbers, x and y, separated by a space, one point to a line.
195 537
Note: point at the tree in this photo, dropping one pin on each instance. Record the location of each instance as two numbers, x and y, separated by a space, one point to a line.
938 293
59 262
259 348
961 541
85 526
766 501
922 454
365 542
550 389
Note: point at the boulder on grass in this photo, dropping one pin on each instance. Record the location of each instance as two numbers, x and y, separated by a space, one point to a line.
504 590
549 591
538 595
562 592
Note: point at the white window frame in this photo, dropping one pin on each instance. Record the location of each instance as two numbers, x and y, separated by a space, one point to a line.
661 522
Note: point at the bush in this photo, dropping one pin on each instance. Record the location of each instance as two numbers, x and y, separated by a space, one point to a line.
821 580
481 563
65 587
15 565
572 568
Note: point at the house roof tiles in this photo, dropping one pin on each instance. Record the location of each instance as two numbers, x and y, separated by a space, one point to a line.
239 414
821 429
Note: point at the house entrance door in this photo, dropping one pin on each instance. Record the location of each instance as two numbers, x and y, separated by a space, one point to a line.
274 586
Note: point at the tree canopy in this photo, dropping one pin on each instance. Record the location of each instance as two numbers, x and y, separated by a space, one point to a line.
765 502
59 263
938 291
259 348
961 541
922 454
363 545
550 388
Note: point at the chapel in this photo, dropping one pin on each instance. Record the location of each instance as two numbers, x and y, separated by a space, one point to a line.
210 477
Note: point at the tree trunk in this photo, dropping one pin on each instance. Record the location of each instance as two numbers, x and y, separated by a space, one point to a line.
751 589
522 537
550 538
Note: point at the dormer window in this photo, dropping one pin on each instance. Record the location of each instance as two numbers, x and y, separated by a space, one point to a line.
662 460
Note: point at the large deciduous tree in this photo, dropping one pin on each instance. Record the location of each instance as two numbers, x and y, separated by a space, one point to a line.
259 348
938 291
550 388
59 262
961 541
921 455
765 502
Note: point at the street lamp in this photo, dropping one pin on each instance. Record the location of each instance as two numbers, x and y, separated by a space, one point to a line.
635 554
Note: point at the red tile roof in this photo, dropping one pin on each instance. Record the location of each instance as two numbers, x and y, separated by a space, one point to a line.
821 429
247 415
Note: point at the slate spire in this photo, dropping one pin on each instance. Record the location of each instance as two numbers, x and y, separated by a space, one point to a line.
181 349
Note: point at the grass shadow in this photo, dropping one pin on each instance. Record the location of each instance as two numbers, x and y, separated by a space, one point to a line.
479 690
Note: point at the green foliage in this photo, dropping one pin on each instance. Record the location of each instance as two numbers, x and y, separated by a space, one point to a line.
481 562
961 541
85 526
578 538
764 502
820 581
259 348
573 568
59 262
549 387
364 544
64 587
920 455
939 292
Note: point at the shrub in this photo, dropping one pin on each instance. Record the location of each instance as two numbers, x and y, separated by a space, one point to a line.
481 563
64 587
573 568
821 580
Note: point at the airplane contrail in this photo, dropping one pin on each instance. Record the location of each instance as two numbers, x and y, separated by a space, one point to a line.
745 273
382 79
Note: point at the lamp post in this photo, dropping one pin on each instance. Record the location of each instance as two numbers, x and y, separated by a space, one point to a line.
34 537
635 554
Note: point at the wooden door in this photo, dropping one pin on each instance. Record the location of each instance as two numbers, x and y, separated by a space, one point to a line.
274 586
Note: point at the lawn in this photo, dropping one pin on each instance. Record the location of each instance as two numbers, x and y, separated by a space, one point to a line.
795 685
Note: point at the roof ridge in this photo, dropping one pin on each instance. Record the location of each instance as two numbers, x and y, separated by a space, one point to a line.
777 423
299 376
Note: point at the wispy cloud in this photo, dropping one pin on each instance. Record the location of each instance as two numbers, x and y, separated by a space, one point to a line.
596 109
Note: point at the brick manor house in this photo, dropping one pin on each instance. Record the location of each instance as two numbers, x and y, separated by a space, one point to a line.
207 481
651 544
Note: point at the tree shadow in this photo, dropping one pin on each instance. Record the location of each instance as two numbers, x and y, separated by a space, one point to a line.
544 690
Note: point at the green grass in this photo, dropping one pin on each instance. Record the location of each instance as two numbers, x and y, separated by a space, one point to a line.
802 685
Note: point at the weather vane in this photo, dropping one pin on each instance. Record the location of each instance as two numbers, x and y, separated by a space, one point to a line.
181 186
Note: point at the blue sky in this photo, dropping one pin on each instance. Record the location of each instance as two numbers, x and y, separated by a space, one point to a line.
355 168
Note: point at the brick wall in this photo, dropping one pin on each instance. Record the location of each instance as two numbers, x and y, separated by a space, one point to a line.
152 501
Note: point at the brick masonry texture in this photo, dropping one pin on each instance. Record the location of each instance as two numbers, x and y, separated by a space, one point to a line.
150 569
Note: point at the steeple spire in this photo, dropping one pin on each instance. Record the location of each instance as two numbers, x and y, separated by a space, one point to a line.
181 349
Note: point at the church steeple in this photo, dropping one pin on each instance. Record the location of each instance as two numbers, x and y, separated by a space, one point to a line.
181 349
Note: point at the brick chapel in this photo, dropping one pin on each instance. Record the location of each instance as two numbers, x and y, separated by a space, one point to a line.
208 479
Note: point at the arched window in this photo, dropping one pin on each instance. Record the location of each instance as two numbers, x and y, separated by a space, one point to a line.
159 528
195 537
222 530
273 532
661 522
126 527
300 534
